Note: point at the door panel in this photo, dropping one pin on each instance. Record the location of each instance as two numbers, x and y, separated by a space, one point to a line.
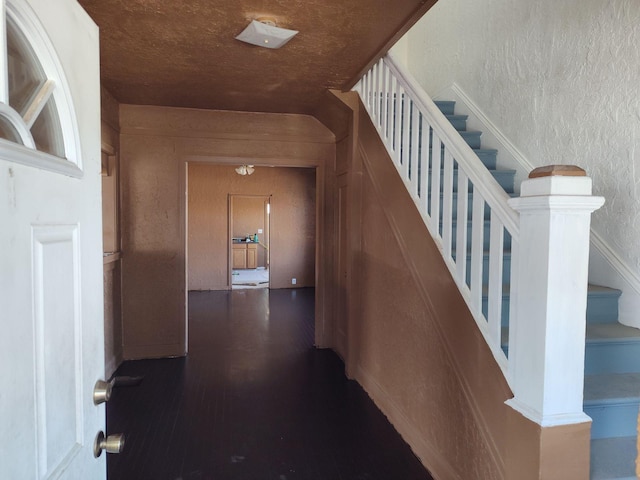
57 329
51 306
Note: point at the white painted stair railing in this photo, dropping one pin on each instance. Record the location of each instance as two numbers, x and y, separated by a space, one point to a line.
548 226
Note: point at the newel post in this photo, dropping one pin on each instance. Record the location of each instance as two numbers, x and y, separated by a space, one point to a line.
547 340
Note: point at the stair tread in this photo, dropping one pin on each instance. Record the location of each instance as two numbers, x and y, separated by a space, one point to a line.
485 150
600 290
613 458
470 194
488 151
612 388
591 290
457 116
504 171
611 332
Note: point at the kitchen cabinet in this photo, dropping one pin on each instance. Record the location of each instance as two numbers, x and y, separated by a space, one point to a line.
245 255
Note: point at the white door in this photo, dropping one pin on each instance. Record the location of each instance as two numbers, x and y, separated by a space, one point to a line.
51 312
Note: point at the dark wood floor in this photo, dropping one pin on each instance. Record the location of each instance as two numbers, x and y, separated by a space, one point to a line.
253 400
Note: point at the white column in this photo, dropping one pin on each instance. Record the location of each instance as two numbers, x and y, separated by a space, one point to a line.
547 338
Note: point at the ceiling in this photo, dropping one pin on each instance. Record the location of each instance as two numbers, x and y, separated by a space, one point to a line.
184 53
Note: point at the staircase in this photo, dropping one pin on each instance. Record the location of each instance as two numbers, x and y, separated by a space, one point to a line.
612 357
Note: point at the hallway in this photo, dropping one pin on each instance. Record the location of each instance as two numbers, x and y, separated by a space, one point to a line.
253 400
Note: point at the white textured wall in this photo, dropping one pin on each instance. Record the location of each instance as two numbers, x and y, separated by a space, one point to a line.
561 79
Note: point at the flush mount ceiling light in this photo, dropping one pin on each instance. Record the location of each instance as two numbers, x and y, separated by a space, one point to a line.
245 170
264 33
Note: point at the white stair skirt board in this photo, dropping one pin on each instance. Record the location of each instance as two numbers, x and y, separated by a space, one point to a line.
605 265
258 277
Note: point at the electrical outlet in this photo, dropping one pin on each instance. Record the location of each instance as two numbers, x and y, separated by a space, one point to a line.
293 281
259 230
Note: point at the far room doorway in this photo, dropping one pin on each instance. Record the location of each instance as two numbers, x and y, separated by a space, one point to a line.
249 243
291 227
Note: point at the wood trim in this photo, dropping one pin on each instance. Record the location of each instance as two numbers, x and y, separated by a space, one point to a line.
558 170
12 152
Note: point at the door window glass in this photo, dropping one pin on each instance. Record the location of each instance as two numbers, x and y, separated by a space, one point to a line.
25 74
8 131
31 95
46 131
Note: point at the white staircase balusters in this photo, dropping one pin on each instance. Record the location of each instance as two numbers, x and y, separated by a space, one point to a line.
428 153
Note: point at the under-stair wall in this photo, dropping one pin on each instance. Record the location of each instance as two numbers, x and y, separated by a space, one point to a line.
416 349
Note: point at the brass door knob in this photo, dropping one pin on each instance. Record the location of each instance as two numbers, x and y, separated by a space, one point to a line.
102 392
112 443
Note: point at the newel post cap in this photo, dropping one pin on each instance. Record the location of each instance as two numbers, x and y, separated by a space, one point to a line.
558 170
556 180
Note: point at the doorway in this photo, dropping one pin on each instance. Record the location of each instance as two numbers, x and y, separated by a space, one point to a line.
289 233
249 228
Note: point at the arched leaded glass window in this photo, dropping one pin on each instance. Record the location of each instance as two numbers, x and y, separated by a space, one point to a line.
35 107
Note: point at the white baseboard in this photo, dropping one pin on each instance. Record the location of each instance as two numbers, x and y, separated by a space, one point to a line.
606 268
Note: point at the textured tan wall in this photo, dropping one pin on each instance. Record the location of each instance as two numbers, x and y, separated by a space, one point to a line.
403 361
156 145
293 222
417 351
248 212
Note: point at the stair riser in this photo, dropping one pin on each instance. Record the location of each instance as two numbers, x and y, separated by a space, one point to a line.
446 106
485 236
459 122
487 210
612 357
617 420
600 357
487 157
602 309
471 137
506 179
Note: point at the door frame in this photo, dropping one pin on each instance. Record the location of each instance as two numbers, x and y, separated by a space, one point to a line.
323 269
267 223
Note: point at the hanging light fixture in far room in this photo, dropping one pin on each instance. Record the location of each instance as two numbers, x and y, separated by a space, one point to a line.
245 170
263 32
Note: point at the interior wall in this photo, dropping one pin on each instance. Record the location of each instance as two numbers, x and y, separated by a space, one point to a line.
293 222
248 214
560 80
413 344
342 241
156 145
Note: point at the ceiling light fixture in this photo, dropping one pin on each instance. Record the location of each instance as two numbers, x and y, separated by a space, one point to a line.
245 170
263 32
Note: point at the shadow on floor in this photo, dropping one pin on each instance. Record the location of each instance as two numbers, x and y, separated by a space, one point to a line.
253 400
